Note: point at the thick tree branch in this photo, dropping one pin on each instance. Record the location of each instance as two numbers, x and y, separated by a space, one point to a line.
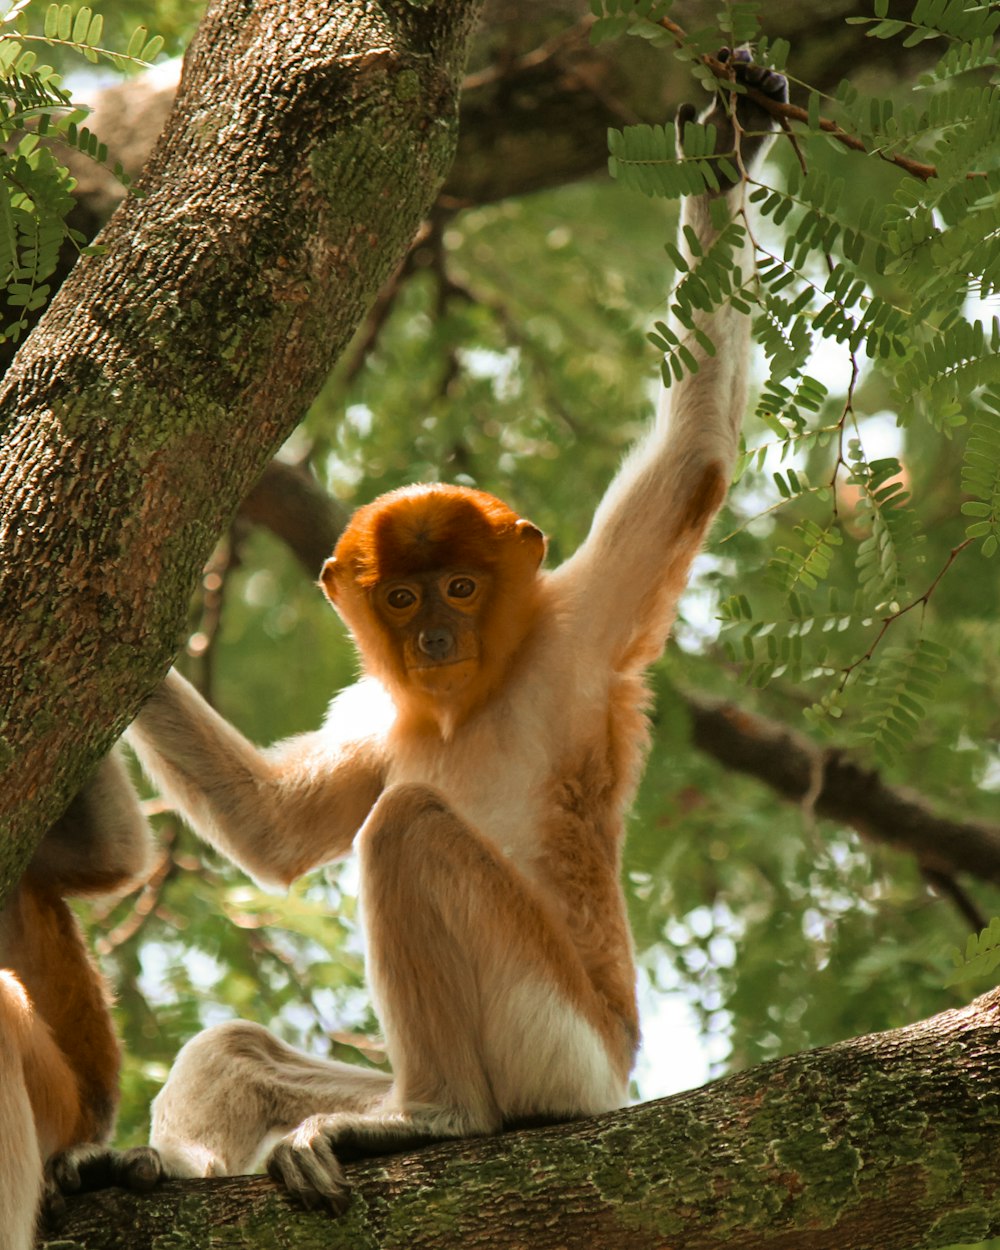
886 1142
837 787
306 145
289 502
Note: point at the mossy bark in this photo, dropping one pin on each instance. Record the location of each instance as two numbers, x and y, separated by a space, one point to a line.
886 1142
306 143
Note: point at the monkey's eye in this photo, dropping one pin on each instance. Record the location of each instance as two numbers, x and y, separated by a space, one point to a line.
400 598
461 588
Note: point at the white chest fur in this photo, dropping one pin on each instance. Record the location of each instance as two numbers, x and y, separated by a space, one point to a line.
492 771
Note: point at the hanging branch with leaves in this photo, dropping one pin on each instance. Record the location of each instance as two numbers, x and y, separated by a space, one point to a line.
933 243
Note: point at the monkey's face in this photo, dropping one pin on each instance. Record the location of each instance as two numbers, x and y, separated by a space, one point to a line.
433 621
438 585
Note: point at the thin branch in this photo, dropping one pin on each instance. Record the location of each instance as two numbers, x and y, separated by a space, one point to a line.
201 642
847 412
380 311
785 113
148 901
920 601
944 884
551 50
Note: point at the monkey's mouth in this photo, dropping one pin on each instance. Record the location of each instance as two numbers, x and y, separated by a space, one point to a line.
443 678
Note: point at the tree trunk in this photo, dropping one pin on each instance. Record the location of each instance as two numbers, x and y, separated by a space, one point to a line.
307 142
886 1142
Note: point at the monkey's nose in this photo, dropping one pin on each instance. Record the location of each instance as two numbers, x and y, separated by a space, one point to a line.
437 643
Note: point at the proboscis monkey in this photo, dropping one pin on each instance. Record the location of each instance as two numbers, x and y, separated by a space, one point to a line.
59 1056
481 770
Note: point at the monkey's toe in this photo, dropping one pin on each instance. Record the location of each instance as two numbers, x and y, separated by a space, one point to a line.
139 1169
84 1168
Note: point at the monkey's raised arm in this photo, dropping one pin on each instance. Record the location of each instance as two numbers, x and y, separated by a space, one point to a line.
626 577
276 813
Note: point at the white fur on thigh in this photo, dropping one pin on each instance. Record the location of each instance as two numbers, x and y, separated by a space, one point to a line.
542 1056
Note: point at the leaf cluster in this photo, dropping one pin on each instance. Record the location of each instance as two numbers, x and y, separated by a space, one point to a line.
981 956
37 116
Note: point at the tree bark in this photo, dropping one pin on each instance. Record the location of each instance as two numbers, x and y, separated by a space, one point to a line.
885 1142
306 144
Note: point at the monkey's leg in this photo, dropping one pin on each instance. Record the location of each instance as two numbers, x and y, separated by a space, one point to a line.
487 1010
235 1089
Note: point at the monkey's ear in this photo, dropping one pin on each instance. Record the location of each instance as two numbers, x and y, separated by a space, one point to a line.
532 539
328 579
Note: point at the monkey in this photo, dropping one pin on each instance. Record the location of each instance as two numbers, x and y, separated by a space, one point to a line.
59 1057
480 769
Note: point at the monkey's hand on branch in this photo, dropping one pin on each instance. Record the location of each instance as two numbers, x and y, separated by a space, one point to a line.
742 125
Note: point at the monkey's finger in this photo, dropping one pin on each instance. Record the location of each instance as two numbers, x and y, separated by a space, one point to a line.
768 81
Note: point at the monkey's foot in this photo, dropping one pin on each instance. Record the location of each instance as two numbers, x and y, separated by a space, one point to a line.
83 1168
307 1161
98 1167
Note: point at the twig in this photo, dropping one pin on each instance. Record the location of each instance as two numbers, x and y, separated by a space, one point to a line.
378 315
785 113
148 900
847 412
201 643
550 50
921 600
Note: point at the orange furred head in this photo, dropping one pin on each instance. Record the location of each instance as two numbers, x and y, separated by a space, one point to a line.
438 586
